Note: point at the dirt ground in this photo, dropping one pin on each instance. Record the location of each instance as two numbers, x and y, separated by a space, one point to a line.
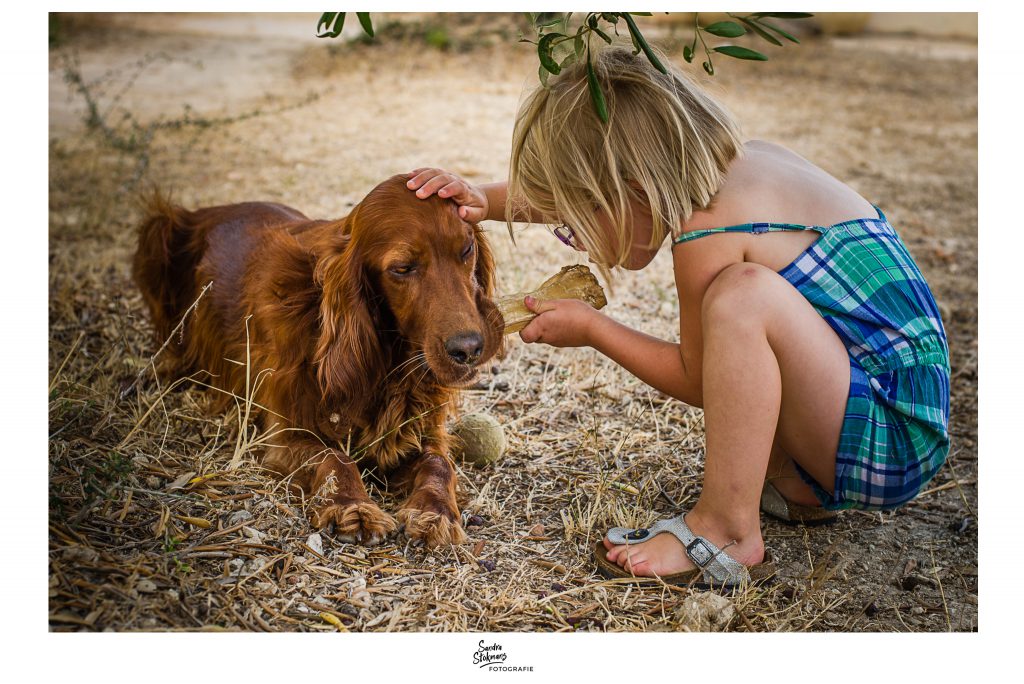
150 529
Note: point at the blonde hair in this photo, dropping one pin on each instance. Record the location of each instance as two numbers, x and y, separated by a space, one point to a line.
666 144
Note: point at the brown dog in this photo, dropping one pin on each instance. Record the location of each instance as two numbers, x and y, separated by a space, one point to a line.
365 325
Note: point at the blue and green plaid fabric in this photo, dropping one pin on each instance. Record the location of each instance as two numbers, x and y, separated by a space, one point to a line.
862 280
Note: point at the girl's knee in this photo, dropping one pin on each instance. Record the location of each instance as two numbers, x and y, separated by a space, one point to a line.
739 293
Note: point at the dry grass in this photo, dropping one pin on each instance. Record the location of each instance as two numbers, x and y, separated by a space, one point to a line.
161 518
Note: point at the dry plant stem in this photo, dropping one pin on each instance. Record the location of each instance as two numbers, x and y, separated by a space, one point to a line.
942 593
177 329
56 376
242 441
572 282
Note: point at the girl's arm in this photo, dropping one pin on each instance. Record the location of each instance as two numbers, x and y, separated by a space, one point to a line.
675 369
497 197
572 323
657 362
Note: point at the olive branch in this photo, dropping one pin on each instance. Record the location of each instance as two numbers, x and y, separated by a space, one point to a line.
331 23
558 46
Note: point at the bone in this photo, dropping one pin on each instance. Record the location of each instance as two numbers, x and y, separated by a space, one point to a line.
572 282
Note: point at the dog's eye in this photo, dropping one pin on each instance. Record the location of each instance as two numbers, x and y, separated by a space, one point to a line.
468 252
402 269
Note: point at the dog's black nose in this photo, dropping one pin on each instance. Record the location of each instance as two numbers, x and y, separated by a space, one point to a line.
465 348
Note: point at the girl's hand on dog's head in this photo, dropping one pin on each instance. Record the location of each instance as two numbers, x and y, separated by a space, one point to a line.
471 199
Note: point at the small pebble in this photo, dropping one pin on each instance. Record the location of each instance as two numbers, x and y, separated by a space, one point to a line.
487 565
911 582
239 516
315 542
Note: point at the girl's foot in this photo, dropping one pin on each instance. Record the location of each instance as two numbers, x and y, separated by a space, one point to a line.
664 554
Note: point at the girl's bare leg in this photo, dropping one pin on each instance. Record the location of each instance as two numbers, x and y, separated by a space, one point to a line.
773 371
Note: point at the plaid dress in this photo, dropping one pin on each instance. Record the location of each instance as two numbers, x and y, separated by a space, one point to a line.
862 280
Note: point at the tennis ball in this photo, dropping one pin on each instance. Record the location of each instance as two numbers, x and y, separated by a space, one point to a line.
480 439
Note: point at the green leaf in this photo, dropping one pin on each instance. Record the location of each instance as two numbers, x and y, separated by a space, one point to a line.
636 44
592 21
603 35
543 74
782 15
725 29
708 67
326 19
596 96
364 21
761 32
635 32
610 17
568 61
543 19
578 44
687 54
740 52
544 52
782 33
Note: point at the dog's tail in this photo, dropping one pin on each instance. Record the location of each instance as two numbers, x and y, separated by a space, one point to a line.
165 262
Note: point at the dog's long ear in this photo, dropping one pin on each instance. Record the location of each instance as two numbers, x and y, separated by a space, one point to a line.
484 273
484 263
349 354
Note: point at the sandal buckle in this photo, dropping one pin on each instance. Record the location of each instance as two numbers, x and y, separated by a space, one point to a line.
700 552
637 534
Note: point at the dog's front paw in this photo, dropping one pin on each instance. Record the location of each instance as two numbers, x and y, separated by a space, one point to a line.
360 523
433 529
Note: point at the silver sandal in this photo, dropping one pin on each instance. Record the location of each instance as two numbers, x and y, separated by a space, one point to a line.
715 568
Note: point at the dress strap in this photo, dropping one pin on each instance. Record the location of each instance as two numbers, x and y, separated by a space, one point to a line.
753 228
771 227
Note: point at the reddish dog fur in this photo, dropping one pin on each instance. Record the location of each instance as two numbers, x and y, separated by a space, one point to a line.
367 326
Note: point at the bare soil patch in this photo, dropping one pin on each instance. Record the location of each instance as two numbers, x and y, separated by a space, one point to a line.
150 530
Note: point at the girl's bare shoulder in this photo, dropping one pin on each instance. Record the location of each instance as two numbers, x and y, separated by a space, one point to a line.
769 182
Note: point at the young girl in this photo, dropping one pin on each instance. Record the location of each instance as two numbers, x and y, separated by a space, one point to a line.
807 332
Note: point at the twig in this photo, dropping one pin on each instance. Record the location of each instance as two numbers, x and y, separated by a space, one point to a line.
56 376
243 420
945 607
126 391
956 481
